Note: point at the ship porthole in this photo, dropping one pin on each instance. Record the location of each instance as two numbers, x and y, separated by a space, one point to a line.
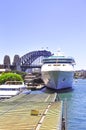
63 79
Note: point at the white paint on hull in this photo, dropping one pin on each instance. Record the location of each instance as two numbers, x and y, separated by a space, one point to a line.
58 76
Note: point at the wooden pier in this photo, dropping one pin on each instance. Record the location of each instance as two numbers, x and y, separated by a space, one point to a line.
31 112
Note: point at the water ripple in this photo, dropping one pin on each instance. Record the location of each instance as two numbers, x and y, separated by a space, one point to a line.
76 107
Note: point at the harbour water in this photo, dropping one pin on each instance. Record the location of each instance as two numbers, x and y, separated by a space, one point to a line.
76 106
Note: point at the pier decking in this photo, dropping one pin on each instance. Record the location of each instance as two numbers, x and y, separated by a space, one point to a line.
31 112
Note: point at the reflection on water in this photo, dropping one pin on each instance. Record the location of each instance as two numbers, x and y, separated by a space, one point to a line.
76 106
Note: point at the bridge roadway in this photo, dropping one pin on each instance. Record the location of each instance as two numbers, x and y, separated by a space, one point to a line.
16 113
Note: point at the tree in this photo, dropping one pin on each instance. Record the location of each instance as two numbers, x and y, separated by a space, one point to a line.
10 77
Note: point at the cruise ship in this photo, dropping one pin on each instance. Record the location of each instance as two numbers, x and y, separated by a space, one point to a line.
58 71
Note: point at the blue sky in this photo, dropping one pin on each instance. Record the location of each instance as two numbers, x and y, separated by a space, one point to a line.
29 25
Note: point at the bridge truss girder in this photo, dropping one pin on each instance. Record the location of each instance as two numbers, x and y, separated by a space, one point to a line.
29 58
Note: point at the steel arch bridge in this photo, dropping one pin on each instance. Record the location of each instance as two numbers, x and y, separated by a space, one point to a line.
30 57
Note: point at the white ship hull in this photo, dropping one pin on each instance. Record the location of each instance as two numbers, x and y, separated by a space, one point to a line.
58 77
11 88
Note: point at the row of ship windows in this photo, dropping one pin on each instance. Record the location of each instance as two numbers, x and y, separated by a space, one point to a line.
12 89
57 65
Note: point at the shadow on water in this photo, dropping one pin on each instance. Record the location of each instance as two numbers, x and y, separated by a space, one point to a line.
50 90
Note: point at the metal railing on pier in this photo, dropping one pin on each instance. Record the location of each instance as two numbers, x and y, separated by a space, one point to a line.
64 118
